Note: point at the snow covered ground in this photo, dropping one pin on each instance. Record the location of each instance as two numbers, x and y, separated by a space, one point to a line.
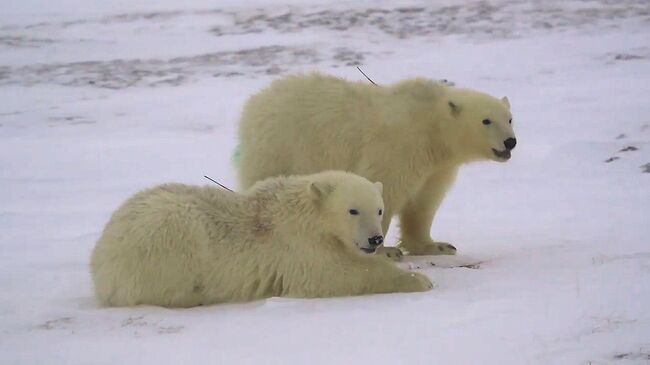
100 100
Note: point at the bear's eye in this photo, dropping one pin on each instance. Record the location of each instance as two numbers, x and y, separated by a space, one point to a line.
510 121
487 121
380 212
354 212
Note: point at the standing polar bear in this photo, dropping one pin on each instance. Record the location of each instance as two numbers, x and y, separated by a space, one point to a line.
182 246
412 136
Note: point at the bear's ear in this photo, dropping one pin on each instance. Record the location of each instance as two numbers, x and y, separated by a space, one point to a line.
320 189
506 101
380 187
454 108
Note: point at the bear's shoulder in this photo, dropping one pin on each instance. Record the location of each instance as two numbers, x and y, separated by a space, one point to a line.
420 88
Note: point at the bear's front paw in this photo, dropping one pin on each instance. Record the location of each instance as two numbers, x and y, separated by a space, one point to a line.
392 253
427 248
413 282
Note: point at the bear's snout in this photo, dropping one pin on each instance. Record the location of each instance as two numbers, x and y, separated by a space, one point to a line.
510 143
376 240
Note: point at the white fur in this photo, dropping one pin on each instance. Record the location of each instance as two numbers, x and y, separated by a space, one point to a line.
181 246
412 136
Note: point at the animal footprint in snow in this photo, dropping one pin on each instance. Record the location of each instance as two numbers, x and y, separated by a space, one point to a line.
632 356
646 168
170 329
628 149
134 322
624 149
59 323
627 57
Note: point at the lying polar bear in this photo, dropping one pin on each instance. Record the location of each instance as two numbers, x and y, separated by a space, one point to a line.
181 246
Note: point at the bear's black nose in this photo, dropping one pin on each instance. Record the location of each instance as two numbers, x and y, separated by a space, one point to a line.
376 241
510 143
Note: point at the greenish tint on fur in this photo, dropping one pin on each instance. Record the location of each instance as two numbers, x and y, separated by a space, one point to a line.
236 156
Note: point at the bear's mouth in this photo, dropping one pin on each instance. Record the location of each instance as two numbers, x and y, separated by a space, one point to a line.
503 155
367 249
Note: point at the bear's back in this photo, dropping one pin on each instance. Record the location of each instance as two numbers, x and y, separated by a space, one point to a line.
158 246
313 114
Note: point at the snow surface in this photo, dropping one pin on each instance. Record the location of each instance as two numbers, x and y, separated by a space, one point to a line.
101 99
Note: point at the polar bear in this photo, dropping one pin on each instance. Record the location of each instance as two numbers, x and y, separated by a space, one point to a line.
296 236
412 136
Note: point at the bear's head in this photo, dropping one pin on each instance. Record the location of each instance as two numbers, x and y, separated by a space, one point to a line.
350 208
485 124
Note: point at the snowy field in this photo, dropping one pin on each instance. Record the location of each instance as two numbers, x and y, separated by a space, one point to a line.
100 100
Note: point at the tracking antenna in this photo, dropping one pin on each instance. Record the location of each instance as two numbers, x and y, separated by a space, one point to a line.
216 182
369 79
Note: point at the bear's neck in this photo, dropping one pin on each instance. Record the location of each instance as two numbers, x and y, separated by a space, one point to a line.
289 209
420 145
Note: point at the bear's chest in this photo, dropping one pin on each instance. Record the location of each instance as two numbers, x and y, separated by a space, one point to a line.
402 187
